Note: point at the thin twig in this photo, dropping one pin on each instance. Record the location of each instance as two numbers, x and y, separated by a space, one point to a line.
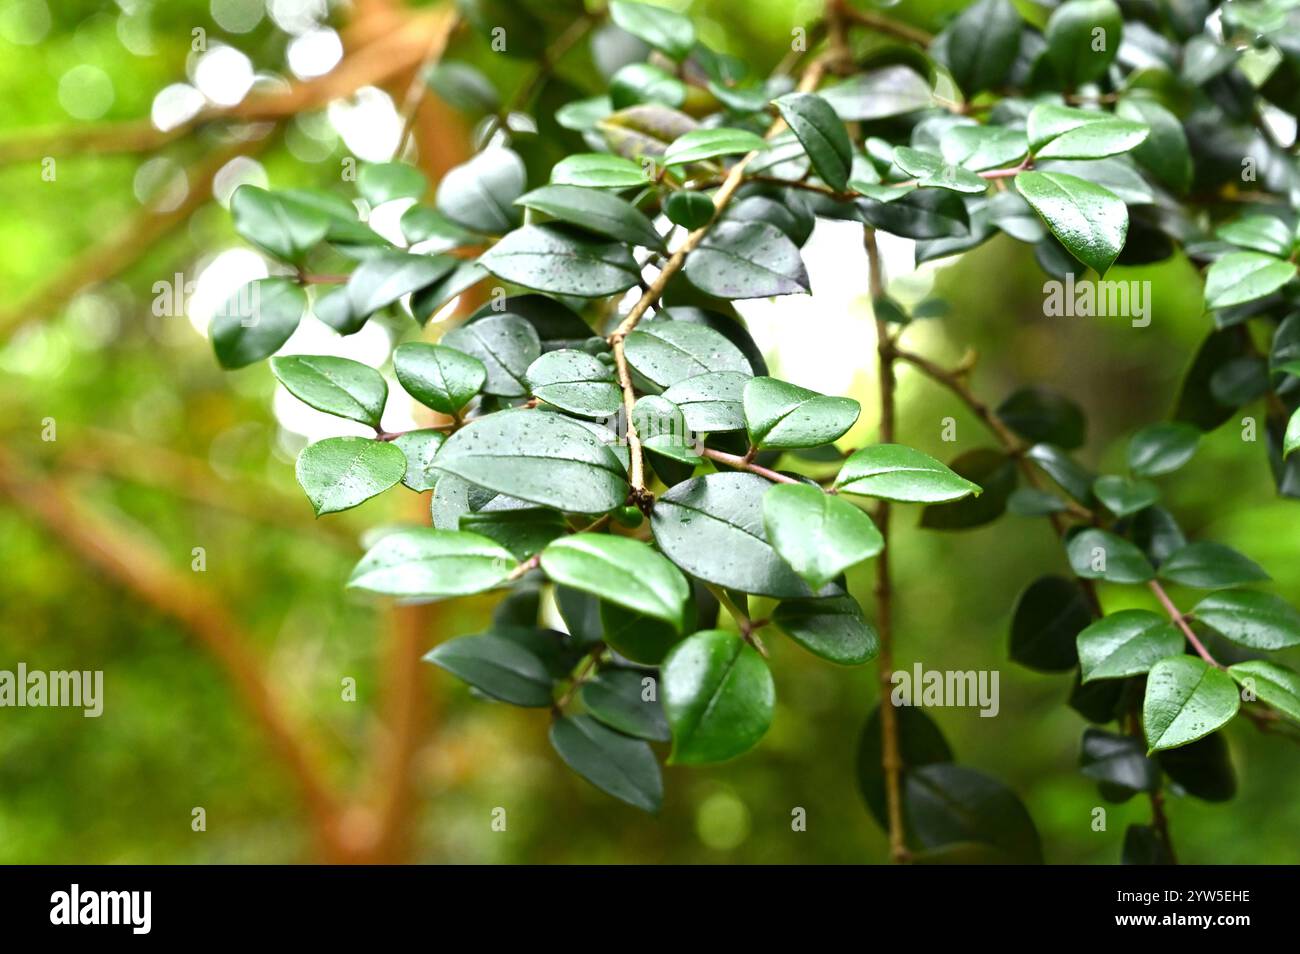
745 463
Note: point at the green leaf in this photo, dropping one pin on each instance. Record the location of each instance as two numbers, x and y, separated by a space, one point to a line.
1186 699
904 474
285 226
598 170
420 447
948 805
645 129
690 210
712 527
667 31
1126 643
661 427
891 91
1239 277
822 134
1041 416
645 83
524 532
746 260
932 172
620 570
920 742
1100 555
665 352
980 45
619 766
779 414
819 535
1271 683
833 628
256 321
718 696
575 382
1210 566
992 470
1061 132
1073 479
1089 221
537 456
1262 233
699 145
505 345
464 87
1253 619
1164 153
1202 769
426 302
642 639
551 260
382 280
438 377
983 147
712 401
1123 496
480 194
595 211
384 181
617 697
1046 622
919 214
339 473
1074 32
1143 845
1117 762
338 386
498 666
1291 440
1162 448
424 562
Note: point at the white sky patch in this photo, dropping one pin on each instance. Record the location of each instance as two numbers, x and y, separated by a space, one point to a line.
369 124
297 16
315 53
224 75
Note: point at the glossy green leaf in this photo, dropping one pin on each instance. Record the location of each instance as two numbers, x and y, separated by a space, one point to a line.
1083 37
1118 762
285 226
712 527
498 666
932 171
1186 699
979 148
1123 496
1210 566
832 627
991 470
620 570
598 170
1100 555
382 280
746 260
718 695
700 145
1164 153
615 764
980 45
1126 643
1239 277
627 700
339 473
946 804
595 211
385 181
690 210
1271 683
1061 132
711 402
818 534
1262 233
438 377
338 386
1253 619
904 474
665 352
424 562
1162 448
575 382
667 31
505 345
1291 440
1089 221
662 429
551 260
814 121
645 84
256 321
480 194
1040 415
540 457
890 91
420 448
779 414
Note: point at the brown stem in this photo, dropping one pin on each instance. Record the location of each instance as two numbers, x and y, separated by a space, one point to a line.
1181 622
891 758
745 463
881 23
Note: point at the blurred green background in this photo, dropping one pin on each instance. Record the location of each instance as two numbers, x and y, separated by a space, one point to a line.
158 452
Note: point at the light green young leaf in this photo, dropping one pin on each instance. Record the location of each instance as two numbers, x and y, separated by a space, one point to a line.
424 562
620 570
900 473
818 534
339 473
338 386
1186 700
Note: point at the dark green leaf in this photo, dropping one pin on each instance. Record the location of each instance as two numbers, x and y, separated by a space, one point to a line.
1210 566
506 345
948 804
1117 760
667 31
285 226
480 194
384 181
385 278
699 145
1244 276
992 470
980 45
498 666
718 696
665 352
833 628
1271 683
1123 496
1043 416
598 170
690 210
1060 132
595 211
746 260
1202 769
822 133
575 382
778 414
1089 221
712 401
1162 448
256 321
1083 37
1254 619
438 377
618 698
420 447
615 764
1100 555
1048 617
